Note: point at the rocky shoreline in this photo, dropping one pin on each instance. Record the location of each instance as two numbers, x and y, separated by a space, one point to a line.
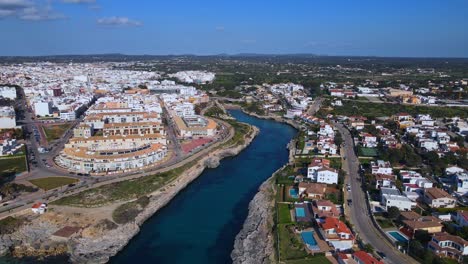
254 243
99 249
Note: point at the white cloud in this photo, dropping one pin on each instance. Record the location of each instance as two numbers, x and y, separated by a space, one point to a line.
119 21
28 10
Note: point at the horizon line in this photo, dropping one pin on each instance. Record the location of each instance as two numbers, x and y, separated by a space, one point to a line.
231 55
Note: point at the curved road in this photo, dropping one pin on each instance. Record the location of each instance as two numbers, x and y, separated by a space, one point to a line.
359 213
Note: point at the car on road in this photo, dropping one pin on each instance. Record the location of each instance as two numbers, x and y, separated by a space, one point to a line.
350 201
381 254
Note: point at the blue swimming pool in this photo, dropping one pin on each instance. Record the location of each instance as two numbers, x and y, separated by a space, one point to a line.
309 240
293 193
398 236
300 212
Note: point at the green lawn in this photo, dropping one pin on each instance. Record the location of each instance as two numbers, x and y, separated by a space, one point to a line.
290 245
370 109
368 152
385 223
310 260
50 183
15 164
284 215
55 132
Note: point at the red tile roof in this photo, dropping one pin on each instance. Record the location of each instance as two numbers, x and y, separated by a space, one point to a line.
366 258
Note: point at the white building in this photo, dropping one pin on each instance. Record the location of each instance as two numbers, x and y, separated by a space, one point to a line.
428 144
462 182
392 197
43 108
8 92
327 175
7 117
381 167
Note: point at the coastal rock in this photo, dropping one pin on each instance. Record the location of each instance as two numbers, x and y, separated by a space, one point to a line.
212 163
254 243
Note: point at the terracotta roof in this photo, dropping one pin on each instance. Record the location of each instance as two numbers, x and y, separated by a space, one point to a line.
436 193
442 236
409 215
423 222
366 258
314 188
334 223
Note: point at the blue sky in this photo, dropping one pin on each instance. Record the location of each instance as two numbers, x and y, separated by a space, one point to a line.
416 28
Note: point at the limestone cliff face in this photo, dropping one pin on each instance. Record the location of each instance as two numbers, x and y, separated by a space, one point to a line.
254 243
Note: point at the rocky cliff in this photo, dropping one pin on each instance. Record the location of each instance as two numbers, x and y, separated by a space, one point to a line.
254 243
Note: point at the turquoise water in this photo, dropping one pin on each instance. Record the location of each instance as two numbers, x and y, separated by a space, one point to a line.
300 212
200 224
309 240
293 193
398 236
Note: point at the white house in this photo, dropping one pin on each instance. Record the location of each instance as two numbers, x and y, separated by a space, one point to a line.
327 175
392 197
319 171
428 144
438 198
462 182
381 167
39 208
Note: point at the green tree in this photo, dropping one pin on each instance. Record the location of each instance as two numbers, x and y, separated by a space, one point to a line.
393 212
368 248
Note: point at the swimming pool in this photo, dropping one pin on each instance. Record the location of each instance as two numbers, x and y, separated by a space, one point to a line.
309 240
300 212
293 193
398 236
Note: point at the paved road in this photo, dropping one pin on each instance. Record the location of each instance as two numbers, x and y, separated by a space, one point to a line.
359 213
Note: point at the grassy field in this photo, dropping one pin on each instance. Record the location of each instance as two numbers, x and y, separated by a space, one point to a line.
385 223
284 215
50 183
15 164
55 132
310 260
290 245
122 191
369 109
368 152
127 212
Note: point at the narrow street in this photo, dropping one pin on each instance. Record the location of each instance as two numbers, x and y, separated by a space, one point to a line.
358 210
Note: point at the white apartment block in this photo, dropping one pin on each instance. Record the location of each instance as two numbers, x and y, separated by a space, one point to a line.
43 108
8 92
7 117
381 167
